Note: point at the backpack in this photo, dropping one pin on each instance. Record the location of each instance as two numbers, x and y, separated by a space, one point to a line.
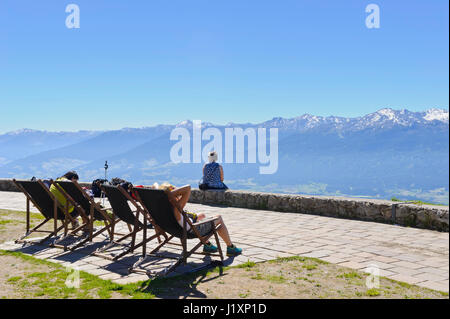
117 181
96 191
45 181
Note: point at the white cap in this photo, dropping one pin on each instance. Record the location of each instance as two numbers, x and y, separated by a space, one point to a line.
212 156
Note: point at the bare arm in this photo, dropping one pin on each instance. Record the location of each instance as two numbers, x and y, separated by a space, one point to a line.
181 195
221 173
181 190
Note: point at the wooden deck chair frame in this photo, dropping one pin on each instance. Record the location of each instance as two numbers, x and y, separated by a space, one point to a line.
185 253
90 215
134 228
56 205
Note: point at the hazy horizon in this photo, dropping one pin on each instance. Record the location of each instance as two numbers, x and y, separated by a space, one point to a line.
217 123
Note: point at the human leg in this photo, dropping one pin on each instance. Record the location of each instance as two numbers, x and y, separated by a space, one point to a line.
222 230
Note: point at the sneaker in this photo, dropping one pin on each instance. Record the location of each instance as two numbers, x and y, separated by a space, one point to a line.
210 248
233 251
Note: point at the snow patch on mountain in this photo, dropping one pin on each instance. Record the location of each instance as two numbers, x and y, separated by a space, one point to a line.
436 115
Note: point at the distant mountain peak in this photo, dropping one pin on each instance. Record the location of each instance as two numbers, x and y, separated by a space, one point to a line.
382 119
190 123
435 114
184 123
22 131
388 112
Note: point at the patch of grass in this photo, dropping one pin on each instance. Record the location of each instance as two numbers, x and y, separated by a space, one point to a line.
6 212
14 279
275 279
404 284
37 275
350 275
52 284
7 221
258 276
305 279
288 259
24 284
244 295
248 264
372 292
299 259
318 261
416 202
310 267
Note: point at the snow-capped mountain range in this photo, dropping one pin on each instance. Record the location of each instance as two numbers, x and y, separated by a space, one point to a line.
383 154
383 118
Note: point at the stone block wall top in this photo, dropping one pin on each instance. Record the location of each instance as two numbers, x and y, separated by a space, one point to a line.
433 217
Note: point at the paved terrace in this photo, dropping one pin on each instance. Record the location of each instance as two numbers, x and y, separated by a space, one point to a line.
415 256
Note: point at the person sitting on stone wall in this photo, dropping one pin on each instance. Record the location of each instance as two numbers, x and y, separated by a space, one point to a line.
212 174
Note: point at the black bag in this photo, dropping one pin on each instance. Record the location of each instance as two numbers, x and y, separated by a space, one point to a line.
96 191
203 186
117 181
127 186
45 181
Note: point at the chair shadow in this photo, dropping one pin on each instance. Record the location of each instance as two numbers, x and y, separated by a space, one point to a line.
183 286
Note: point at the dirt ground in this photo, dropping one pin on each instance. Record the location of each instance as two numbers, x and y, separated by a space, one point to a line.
287 278
13 224
12 270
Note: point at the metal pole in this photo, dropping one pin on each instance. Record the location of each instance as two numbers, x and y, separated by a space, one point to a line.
103 194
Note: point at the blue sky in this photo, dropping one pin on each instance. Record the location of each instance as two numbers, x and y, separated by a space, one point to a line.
141 63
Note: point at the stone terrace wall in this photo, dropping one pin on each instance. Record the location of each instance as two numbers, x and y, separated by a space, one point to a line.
421 216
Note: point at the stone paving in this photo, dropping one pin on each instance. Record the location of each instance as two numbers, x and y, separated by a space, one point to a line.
411 255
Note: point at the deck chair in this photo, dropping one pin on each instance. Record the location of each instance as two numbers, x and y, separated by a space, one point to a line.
87 207
159 205
118 198
37 193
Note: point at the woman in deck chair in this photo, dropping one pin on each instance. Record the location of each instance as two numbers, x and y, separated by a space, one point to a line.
69 176
182 195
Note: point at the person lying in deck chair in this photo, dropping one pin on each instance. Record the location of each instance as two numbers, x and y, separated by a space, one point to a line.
69 176
182 195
